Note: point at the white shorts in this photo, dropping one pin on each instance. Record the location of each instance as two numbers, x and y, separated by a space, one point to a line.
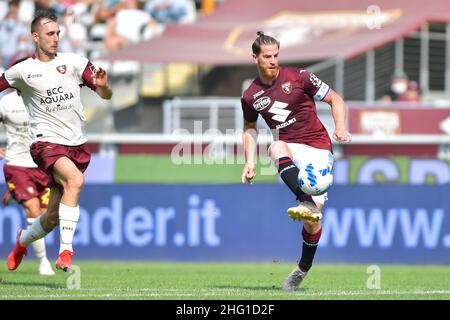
303 154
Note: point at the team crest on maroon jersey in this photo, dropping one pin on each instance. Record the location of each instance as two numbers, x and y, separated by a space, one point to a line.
62 69
286 87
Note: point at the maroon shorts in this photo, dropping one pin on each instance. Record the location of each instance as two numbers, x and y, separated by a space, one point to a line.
45 154
27 183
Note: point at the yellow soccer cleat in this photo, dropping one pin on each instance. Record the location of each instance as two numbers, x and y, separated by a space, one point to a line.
305 211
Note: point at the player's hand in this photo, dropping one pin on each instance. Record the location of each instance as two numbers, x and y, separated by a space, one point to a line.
2 153
342 136
100 78
248 174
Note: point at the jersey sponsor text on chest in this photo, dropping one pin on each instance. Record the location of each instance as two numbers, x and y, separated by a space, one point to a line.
56 95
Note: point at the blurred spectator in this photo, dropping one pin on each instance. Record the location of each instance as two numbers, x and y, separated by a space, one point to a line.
43 5
108 10
14 37
26 11
73 34
165 11
412 94
399 85
130 24
207 7
3 10
62 5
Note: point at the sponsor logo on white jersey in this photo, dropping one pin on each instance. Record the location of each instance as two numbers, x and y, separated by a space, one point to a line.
261 103
31 76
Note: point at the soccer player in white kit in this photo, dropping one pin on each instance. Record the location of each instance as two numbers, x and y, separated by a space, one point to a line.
27 184
50 84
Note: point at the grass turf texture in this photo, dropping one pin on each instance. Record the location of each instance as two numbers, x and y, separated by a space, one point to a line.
221 281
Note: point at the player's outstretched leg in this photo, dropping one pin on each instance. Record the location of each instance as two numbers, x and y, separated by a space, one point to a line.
45 269
311 234
71 179
305 211
34 210
16 255
68 219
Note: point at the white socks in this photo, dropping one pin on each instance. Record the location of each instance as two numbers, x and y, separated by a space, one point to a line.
33 233
68 219
38 245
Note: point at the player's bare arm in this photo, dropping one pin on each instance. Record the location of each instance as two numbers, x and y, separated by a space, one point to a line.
339 114
249 139
2 153
100 80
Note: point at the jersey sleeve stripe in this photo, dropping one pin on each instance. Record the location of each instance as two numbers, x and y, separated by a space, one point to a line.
87 76
4 83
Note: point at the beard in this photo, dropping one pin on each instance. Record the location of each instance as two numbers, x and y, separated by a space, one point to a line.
271 72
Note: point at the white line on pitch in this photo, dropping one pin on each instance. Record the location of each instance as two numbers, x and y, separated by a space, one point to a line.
212 293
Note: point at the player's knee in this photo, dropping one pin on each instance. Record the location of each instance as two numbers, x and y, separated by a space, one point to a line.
32 207
279 149
75 182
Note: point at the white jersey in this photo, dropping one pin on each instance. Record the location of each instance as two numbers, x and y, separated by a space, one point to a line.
51 93
14 116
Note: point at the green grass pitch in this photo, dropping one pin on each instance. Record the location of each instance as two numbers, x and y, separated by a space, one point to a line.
221 281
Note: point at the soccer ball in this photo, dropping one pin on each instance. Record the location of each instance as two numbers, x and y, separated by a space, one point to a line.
315 179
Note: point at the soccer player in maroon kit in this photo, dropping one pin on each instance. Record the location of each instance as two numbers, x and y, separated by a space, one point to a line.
284 97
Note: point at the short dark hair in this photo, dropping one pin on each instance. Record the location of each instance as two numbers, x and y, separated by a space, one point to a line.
261 40
41 15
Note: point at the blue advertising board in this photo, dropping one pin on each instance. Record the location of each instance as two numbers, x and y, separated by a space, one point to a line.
382 224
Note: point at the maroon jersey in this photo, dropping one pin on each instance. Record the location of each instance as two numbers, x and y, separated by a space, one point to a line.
288 106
